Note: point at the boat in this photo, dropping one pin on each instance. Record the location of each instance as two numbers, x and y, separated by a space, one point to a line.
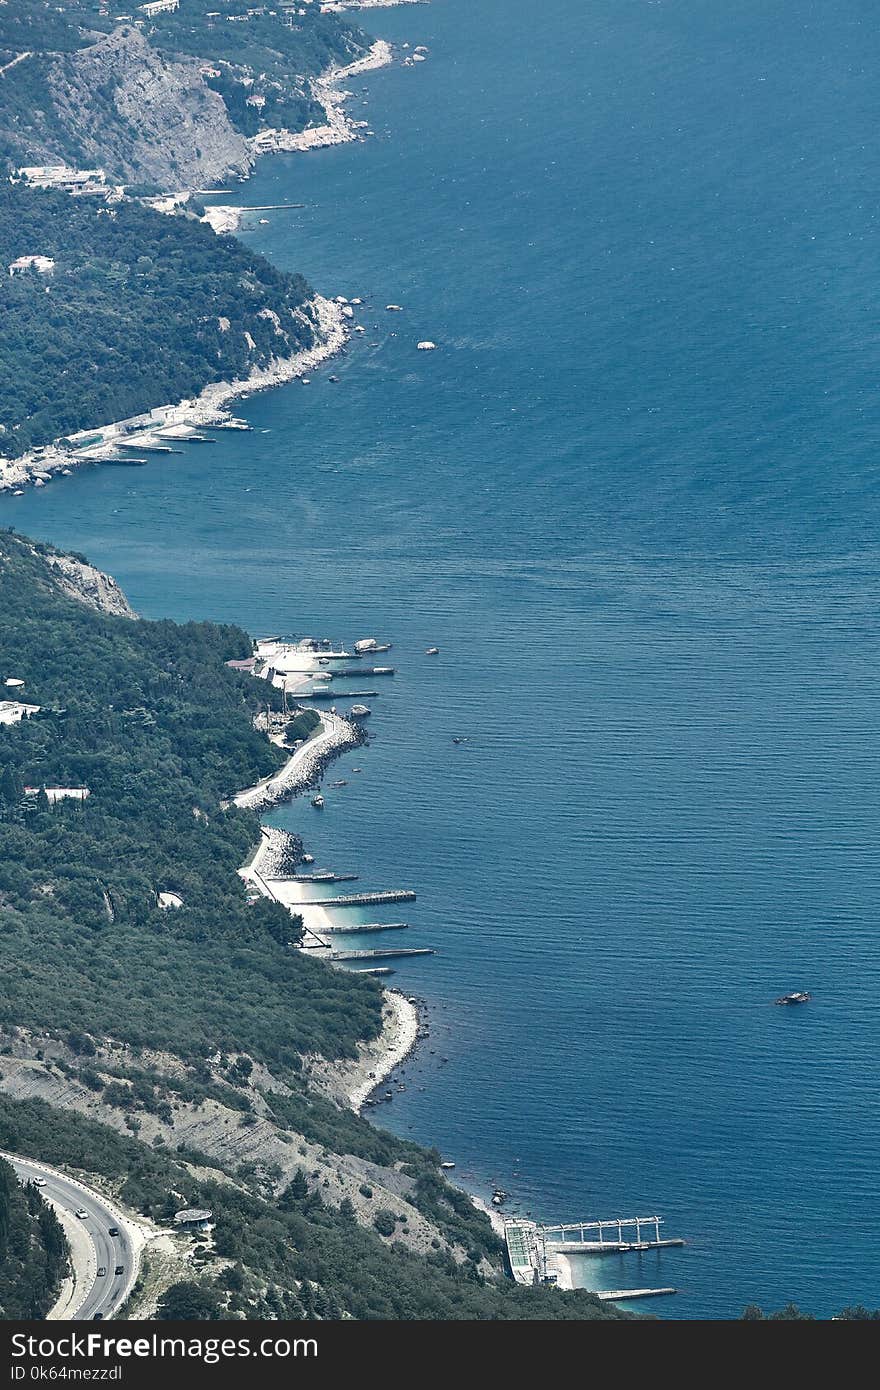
432 651
798 996
308 859
333 378
394 308
340 783
459 739
360 711
447 1164
318 802
426 345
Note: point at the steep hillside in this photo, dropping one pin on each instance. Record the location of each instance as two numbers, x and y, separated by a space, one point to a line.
168 1050
33 1251
168 102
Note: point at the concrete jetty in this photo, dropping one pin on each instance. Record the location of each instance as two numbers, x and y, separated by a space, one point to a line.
394 895
365 926
383 953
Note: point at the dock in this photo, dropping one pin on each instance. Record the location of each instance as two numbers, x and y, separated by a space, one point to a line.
128 462
365 926
383 953
337 695
358 671
588 1237
394 895
149 448
533 1251
615 1295
320 877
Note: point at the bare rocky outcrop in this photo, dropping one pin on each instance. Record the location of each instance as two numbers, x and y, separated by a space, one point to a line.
81 581
145 118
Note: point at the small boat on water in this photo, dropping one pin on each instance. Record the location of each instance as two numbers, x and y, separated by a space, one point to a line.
447 1164
340 783
394 308
360 711
432 651
308 859
798 996
318 802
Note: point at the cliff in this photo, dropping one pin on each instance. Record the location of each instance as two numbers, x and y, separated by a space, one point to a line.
142 116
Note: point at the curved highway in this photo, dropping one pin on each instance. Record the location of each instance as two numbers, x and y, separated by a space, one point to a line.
94 1293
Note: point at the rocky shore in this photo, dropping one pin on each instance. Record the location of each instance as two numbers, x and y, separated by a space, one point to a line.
210 407
304 767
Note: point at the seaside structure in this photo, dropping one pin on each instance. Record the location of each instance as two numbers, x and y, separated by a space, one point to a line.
536 1254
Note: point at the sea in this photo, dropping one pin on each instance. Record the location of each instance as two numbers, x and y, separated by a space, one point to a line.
633 497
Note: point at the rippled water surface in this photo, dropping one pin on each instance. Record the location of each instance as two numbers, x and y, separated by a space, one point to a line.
633 499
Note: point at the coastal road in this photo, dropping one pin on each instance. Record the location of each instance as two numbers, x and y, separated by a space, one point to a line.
91 1245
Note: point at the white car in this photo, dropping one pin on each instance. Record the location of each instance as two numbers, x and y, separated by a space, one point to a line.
39 1182
83 1215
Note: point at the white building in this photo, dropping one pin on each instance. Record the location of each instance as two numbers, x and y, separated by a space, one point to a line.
61 177
155 7
44 264
60 793
13 711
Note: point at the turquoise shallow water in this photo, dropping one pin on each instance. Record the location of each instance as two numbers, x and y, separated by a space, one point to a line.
633 499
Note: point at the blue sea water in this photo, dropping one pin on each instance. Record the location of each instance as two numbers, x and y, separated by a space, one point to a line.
633 498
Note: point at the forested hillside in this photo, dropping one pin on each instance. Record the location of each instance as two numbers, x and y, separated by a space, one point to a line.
33 1251
149 719
141 309
197 1024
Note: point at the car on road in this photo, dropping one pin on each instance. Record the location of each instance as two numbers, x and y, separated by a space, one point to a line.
102 1271
39 1182
113 1231
120 1269
82 1214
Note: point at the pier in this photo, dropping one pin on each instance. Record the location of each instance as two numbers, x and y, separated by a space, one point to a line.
533 1250
394 895
358 671
337 695
383 953
320 877
578 1239
365 926
148 448
617 1295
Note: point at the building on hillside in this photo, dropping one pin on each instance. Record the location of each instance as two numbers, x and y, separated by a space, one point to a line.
13 711
154 7
193 1219
62 178
56 794
43 264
